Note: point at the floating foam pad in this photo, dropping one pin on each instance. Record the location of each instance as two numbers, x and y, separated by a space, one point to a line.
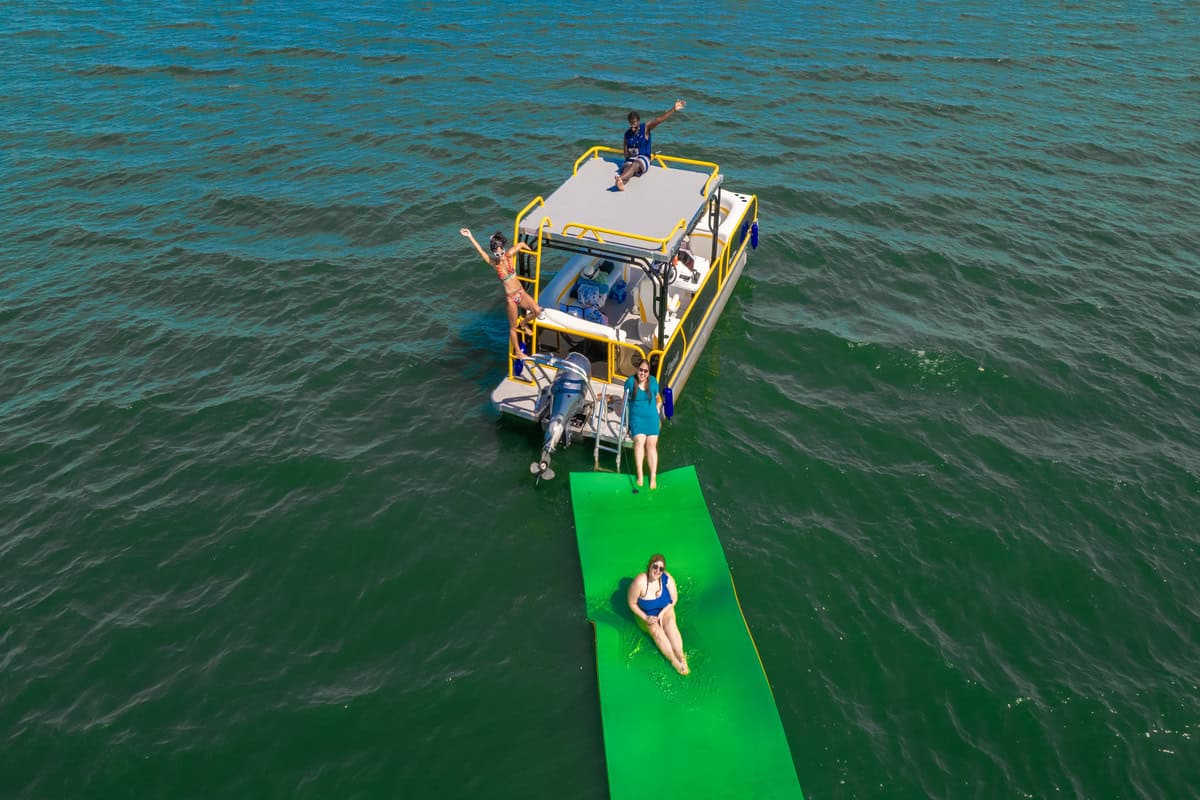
716 732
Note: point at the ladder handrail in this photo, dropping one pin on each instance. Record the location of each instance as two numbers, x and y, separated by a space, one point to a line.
622 426
602 411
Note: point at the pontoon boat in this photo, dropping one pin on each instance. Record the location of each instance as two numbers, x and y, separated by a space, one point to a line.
603 267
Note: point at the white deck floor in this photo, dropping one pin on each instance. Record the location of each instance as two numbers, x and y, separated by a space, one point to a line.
519 399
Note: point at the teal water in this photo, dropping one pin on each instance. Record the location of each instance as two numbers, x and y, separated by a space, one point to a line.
262 536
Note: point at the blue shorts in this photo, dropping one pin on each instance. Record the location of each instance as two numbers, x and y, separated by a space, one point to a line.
644 161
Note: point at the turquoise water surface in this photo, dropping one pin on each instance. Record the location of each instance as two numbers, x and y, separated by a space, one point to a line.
262 535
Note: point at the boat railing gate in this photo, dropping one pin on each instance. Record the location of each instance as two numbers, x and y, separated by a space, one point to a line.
681 340
612 355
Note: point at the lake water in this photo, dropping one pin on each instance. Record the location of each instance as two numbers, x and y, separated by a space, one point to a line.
261 534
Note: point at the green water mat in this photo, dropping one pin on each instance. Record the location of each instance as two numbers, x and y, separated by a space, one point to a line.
716 732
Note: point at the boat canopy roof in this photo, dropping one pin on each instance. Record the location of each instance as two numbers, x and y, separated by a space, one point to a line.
649 219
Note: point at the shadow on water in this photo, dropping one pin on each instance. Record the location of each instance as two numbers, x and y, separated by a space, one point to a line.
476 349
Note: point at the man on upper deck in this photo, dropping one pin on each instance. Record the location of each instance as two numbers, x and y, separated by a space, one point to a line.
637 144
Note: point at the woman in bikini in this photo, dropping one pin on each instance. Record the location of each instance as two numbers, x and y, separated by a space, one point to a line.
652 599
501 260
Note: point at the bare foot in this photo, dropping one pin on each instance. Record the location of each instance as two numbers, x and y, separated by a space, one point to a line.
639 481
653 483
620 184
681 666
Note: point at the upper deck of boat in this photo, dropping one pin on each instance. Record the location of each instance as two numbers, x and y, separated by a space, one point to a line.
659 206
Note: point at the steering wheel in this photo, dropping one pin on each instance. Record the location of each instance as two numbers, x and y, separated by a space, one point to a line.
669 273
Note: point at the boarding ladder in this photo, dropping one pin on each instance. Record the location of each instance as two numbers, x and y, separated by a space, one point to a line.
600 418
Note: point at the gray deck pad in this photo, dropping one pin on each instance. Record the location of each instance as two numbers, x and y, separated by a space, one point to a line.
651 205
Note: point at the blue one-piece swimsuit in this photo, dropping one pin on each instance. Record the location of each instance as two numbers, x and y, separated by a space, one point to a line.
654 607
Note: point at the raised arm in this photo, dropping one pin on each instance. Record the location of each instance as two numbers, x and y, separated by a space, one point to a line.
660 119
519 247
467 233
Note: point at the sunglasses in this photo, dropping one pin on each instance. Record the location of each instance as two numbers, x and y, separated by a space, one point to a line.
656 567
644 369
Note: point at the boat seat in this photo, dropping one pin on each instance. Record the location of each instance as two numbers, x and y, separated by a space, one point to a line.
690 277
594 282
647 317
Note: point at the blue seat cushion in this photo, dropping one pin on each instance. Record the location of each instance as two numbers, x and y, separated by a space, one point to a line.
595 315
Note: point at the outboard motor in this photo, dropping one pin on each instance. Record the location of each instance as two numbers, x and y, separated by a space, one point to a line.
567 393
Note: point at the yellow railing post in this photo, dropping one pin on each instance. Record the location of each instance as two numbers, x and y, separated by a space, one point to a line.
593 153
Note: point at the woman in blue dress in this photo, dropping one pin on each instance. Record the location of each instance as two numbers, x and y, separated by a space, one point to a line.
641 392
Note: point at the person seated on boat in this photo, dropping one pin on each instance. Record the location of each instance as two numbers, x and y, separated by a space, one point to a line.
501 260
652 598
637 144
641 393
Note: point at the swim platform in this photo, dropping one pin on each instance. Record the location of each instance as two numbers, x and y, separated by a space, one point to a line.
714 733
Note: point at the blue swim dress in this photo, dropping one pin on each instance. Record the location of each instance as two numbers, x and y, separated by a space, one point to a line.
643 409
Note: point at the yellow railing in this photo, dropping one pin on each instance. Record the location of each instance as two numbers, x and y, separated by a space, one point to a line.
679 336
597 231
612 348
691 161
662 160
537 201
721 268
535 281
594 153
659 157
